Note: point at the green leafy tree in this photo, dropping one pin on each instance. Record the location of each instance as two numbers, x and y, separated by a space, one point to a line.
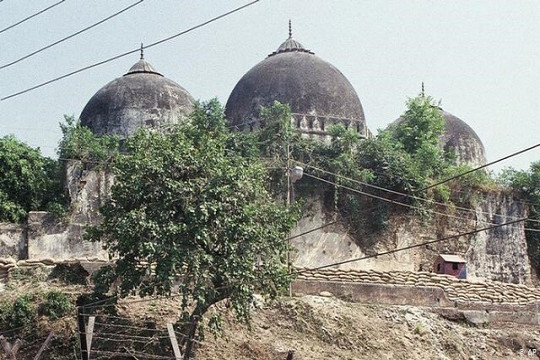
29 181
80 143
187 209
276 131
418 134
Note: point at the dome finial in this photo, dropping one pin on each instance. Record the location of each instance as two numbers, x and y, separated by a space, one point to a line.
422 93
290 28
142 51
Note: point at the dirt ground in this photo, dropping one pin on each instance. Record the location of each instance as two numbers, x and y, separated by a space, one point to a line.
313 327
317 327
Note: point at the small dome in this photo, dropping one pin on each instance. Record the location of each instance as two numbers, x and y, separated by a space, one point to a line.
318 94
290 45
141 98
461 139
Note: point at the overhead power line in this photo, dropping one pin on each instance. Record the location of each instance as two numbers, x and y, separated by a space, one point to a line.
469 210
70 36
31 16
480 167
457 191
131 51
312 230
410 246
395 202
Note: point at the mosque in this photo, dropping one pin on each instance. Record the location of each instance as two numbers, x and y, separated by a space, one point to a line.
319 96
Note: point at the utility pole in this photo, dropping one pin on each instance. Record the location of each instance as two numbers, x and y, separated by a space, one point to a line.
289 268
293 174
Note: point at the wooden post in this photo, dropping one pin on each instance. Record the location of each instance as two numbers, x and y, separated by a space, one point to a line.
174 342
82 333
44 346
9 350
89 334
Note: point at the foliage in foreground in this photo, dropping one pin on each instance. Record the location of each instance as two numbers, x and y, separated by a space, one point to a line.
404 159
80 143
29 181
187 209
24 310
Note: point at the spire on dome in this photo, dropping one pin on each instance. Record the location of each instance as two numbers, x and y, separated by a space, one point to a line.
142 66
290 45
290 29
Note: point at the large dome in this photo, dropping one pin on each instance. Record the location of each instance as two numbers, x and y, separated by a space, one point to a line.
461 139
141 98
319 94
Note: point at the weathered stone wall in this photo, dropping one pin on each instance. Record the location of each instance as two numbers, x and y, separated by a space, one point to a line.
88 191
13 241
50 238
333 244
499 254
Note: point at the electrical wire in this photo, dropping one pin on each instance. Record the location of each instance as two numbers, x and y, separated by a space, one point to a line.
131 51
407 205
408 247
130 353
31 16
312 230
469 210
70 36
480 167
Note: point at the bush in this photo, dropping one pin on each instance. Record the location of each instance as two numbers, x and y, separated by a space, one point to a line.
28 180
56 305
79 143
19 314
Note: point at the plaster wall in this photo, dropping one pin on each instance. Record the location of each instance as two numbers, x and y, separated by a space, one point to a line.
13 241
50 238
499 254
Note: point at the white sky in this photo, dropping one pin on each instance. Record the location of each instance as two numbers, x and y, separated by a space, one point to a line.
481 58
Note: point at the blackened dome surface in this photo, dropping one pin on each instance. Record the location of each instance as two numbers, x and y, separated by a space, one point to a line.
295 76
461 139
140 98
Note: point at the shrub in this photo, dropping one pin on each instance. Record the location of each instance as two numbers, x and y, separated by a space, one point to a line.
28 180
56 305
19 314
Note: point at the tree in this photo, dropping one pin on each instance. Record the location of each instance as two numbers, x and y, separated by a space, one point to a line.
28 181
418 134
80 143
186 208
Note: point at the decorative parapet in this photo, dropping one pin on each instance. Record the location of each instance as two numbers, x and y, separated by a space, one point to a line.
314 125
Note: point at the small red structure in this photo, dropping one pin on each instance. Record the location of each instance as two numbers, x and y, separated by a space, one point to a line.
451 265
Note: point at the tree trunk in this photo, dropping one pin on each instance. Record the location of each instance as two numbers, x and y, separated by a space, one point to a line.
188 343
190 339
